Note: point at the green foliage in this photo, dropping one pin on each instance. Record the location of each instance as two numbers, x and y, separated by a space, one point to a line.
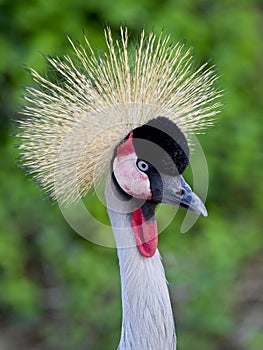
59 291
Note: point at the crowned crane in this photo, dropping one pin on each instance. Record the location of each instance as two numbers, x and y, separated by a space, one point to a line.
129 113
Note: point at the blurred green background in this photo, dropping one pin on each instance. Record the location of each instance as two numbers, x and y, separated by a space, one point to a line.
59 291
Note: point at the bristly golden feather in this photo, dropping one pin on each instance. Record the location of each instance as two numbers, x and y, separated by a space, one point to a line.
72 129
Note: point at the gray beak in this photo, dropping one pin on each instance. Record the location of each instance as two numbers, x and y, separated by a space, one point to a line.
177 191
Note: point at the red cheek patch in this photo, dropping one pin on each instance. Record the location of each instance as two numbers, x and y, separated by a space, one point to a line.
126 148
133 181
145 232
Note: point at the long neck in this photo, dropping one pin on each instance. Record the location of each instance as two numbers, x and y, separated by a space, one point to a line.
147 321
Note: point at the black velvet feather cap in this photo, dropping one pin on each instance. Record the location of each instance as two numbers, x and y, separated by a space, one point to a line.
162 144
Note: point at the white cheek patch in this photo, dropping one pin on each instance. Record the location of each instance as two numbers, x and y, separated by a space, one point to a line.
130 178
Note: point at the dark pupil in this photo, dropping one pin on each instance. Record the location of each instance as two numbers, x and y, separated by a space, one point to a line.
143 165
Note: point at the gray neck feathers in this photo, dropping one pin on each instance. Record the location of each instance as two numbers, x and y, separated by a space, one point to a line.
147 321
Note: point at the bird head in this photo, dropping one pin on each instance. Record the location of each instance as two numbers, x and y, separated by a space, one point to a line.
148 165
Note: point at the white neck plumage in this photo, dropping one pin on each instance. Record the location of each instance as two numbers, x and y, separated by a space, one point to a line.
147 322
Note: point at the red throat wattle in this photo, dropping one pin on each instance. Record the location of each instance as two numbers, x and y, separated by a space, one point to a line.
145 232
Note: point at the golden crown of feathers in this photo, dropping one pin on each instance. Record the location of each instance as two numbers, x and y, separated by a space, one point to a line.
72 127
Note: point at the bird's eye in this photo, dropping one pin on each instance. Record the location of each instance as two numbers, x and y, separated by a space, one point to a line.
142 165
